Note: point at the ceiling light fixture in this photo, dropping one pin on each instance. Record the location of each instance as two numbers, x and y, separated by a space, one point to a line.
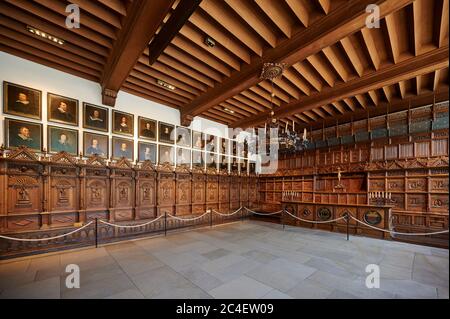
210 42
165 85
45 35
228 110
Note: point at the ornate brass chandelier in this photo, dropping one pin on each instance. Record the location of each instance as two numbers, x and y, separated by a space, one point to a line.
289 141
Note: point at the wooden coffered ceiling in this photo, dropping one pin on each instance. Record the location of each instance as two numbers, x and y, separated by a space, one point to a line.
337 68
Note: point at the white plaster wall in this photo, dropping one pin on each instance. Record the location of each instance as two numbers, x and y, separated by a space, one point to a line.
37 76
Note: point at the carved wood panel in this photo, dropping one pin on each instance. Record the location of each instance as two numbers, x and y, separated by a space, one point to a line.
212 189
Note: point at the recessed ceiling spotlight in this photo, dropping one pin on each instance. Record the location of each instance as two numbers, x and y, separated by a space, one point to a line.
228 110
210 42
165 85
44 35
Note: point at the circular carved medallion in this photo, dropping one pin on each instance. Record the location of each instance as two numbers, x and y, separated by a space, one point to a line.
372 217
306 212
324 213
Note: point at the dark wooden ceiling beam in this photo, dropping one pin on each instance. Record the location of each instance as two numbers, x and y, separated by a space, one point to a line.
407 69
148 95
69 47
57 50
141 24
59 20
61 60
116 5
47 61
62 33
339 23
171 28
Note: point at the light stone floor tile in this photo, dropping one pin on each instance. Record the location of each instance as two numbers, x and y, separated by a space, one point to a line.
260 256
240 260
160 281
127 294
98 288
43 289
335 267
242 287
339 294
281 274
201 278
276 294
307 289
217 253
235 270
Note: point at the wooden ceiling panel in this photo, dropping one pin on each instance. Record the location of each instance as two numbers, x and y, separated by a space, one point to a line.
336 66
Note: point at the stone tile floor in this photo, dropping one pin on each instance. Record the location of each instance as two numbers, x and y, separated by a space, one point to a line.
240 260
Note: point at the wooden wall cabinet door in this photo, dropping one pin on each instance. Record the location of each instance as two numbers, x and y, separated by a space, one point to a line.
145 191
244 191
95 190
63 192
252 192
183 191
224 193
123 191
166 190
212 190
22 193
198 191
234 192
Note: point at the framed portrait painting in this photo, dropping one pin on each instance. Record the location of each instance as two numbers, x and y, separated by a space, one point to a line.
95 144
183 156
62 139
211 143
23 133
22 101
95 117
123 123
166 133
224 145
198 140
61 109
147 152
223 164
122 147
183 136
211 160
198 159
234 164
166 154
147 128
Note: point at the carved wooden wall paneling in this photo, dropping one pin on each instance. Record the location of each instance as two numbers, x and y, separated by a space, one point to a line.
183 191
244 191
416 179
63 200
212 190
122 205
146 177
50 192
198 191
95 190
234 192
166 190
224 193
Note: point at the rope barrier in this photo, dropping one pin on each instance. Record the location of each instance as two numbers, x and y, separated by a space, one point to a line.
187 219
314 221
49 238
131 226
222 214
399 233
263 214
